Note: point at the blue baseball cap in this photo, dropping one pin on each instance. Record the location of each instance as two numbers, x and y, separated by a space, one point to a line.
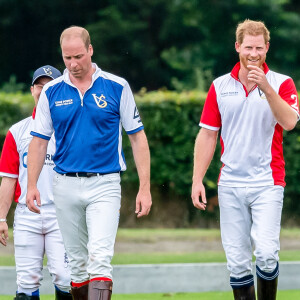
45 71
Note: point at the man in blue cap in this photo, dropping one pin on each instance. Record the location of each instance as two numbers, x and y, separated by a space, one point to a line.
34 234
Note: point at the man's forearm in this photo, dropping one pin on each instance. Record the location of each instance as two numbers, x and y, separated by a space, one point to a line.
36 157
283 113
203 153
141 156
7 191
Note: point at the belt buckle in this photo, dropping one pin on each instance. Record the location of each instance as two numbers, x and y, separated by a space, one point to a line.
88 174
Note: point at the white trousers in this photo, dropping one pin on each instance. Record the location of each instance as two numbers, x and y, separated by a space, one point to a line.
250 219
34 236
88 211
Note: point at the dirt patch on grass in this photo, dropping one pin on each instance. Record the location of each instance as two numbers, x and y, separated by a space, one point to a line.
165 245
187 246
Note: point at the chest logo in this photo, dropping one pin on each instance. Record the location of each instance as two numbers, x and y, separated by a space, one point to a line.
261 94
100 100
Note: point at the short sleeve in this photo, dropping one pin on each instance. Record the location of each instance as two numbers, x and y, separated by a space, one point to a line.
130 117
211 118
288 93
9 161
42 125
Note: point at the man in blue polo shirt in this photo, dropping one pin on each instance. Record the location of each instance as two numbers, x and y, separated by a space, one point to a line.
87 109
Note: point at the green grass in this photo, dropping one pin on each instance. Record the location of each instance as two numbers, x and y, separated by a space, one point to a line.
282 295
7 260
151 235
165 258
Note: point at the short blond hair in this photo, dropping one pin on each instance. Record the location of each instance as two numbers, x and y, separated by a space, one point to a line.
252 28
76 31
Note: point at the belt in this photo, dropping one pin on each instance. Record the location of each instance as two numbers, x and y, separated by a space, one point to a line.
86 174
82 174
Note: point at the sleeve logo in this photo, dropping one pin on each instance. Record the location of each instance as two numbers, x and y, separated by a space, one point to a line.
295 104
100 100
136 115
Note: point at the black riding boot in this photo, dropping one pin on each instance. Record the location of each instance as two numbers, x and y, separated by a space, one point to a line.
22 296
59 295
244 293
266 289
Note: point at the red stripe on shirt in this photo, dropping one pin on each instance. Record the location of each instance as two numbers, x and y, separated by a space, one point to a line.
9 161
277 163
211 114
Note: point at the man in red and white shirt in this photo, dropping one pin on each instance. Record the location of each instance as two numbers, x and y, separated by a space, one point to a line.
251 105
34 234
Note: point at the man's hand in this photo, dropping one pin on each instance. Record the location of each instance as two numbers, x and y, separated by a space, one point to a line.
198 191
258 76
143 203
3 233
32 195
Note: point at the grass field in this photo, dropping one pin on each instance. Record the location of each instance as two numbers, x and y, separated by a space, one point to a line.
136 236
163 258
282 295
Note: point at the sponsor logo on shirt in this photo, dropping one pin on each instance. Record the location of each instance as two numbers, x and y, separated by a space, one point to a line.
100 100
64 102
48 160
229 94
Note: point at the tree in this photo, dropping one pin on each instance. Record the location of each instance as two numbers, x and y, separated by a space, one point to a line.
177 44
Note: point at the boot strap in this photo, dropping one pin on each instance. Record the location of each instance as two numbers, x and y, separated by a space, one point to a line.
102 285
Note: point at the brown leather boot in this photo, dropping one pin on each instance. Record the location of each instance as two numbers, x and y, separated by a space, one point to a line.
266 289
244 293
100 290
80 293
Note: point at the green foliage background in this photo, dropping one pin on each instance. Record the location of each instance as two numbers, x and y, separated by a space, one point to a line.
171 123
177 44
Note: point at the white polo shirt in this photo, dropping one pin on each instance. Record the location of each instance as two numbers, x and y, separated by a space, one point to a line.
13 161
251 139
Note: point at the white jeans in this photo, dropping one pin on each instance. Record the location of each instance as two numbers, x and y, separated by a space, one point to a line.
88 211
34 236
250 218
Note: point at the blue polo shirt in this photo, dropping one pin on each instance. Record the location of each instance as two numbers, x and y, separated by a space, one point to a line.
88 128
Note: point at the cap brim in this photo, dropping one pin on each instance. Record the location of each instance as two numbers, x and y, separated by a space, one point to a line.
43 75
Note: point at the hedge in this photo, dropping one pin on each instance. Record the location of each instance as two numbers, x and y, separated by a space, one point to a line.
171 123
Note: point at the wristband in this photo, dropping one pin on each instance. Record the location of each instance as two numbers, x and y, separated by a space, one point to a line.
2 220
